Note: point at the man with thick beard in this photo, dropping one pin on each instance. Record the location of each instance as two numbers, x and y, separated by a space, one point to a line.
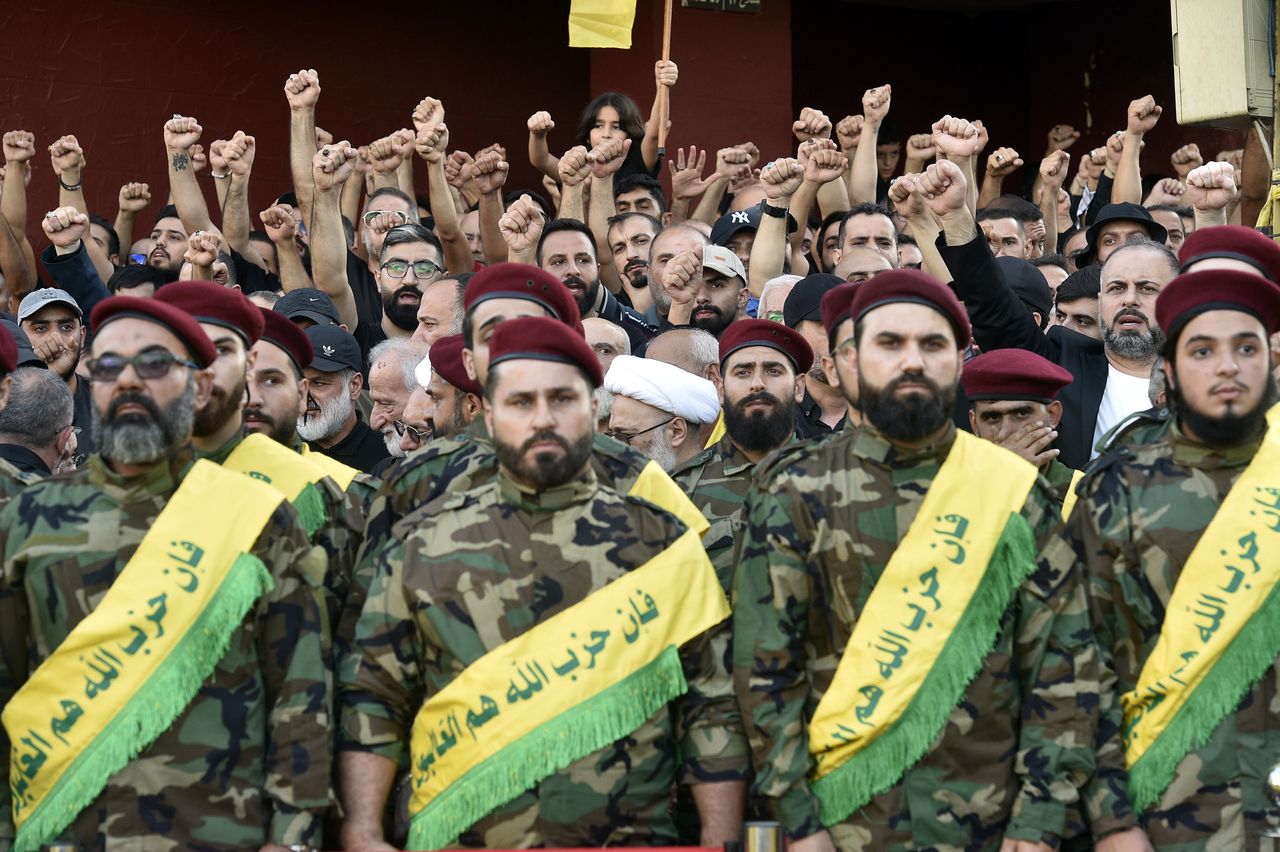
1178 537
1110 376
331 423
761 363
206 569
535 557
894 699
708 289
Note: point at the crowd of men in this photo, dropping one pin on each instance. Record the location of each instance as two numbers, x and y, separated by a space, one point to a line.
875 501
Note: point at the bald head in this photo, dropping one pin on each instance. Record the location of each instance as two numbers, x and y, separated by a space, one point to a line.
607 339
691 349
861 264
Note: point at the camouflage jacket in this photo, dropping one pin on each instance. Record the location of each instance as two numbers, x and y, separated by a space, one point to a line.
454 465
493 563
1058 476
339 536
717 480
821 527
1145 508
249 759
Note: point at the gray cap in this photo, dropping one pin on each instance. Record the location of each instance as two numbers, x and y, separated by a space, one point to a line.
38 299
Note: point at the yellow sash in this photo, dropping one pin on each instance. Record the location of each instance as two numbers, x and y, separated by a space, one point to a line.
1218 635
1069 499
717 433
568 687
334 469
295 477
130 668
901 674
656 486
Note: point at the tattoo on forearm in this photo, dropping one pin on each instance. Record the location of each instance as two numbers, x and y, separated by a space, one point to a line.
180 162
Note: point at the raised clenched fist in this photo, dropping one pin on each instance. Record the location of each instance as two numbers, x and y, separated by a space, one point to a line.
386 154
1143 115
1211 186
65 226
431 142
1185 159
732 163
920 148
1003 161
134 197
66 156
1053 168
955 137
943 186
217 161
907 199
302 90
181 132
683 276
332 166
203 248
820 161
1166 191
19 146
607 157
1061 137
490 172
665 73
875 104
1115 148
540 123
812 124
239 153
428 113
752 152
458 169
521 225
849 131
781 179
575 166
279 223
686 173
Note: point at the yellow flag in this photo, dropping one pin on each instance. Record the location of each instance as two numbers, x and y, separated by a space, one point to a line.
601 23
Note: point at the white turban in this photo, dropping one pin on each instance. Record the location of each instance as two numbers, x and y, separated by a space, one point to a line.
422 372
664 386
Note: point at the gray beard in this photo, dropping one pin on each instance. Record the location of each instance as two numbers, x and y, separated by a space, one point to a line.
145 441
326 423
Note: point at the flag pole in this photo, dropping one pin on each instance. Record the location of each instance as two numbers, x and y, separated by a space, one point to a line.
664 106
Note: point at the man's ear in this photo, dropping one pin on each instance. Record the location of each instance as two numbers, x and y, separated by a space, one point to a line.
973 419
356 385
469 364
1055 413
63 438
471 406
666 219
679 431
204 387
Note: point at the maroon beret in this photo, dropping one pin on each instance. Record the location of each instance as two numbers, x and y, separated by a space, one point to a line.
1234 242
210 302
775 335
183 325
913 286
283 332
544 339
521 281
446 359
1193 293
837 304
1013 374
8 352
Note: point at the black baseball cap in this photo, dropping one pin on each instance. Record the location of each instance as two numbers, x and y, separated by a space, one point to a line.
804 302
1028 283
335 349
308 303
742 220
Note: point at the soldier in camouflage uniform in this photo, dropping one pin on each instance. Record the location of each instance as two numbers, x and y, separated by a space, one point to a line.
499 559
247 763
822 523
1143 508
762 364
1012 402
11 479
498 293
234 326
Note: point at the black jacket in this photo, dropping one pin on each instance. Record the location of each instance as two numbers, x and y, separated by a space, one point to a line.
1001 321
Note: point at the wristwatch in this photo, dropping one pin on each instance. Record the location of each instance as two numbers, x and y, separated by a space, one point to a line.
769 210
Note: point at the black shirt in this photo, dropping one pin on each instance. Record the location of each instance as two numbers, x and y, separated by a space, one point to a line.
364 289
362 449
82 417
251 277
24 459
809 419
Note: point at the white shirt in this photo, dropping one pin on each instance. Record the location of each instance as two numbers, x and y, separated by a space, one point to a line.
1125 395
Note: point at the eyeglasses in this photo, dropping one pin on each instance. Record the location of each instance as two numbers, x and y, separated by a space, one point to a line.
421 436
374 214
627 439
422 269
148 364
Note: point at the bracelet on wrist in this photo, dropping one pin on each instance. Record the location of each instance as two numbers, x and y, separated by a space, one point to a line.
217 176
769 210
73 187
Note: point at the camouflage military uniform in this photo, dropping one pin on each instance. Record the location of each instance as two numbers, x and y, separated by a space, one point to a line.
494 562
1144 509
249 759
822 523
1058 476
717 480
13 481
